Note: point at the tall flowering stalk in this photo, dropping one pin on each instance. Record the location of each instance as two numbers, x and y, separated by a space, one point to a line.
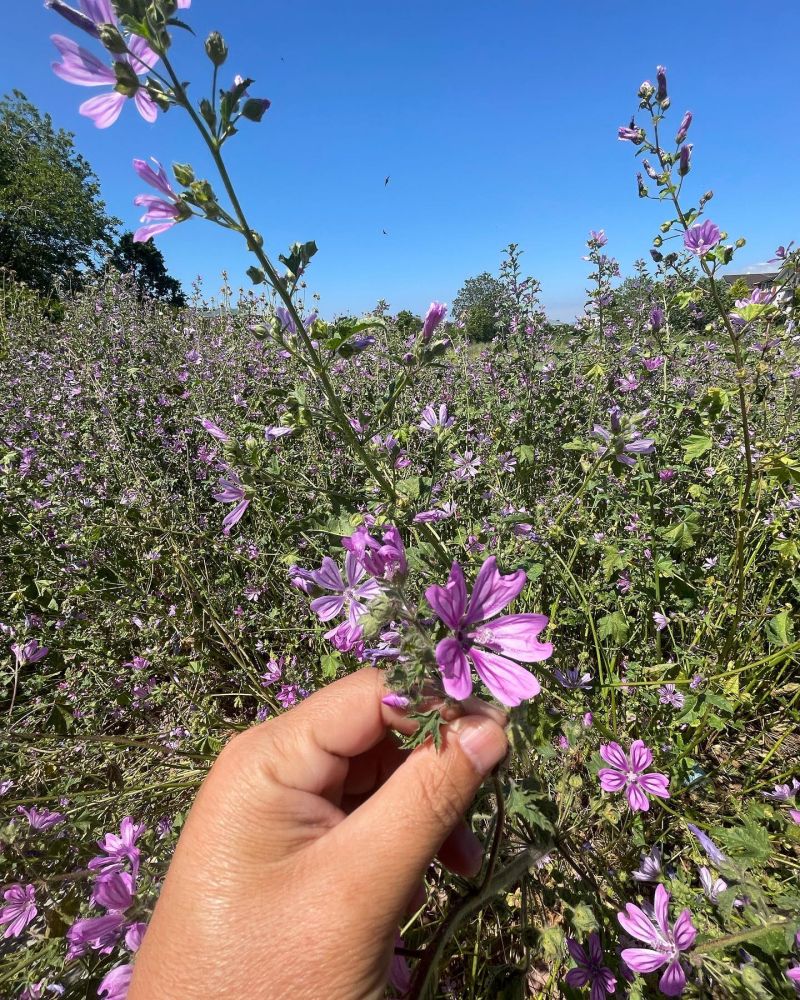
703 240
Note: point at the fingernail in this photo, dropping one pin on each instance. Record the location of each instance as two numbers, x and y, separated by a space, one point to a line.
482 740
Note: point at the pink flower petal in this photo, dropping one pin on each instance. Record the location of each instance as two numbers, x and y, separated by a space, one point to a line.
640 756
328 576
493 591
577 978
144 233
79 66
103 109
612 754
449 602
635 921
673 980
655 784
353 568
637 800
454 668
643 959
145 105
661 909
684 931
515 635
611 780
510 683
327 607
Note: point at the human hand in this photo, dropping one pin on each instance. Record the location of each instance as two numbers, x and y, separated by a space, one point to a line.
305 845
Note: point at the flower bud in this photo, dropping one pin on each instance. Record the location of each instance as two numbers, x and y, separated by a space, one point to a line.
650 170
657 256
111 38
646 90
184 174
683 128
127 80
740 242
665 227
254 108
216 49
661 82
685 156
643 192
657 242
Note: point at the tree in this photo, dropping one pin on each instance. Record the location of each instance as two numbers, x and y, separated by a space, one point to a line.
479 305
144 262
53 223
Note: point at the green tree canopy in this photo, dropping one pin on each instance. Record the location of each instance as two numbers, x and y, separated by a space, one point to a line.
479 305
53 223
144 262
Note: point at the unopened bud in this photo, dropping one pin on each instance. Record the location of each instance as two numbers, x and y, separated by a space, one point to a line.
184 174
657 256
643 192
254 108
740 242
683 128
650 170
665 227
685 156
661 82
657 242
216 49
111 38
646 90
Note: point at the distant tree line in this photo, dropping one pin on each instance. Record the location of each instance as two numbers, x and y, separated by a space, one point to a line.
54 227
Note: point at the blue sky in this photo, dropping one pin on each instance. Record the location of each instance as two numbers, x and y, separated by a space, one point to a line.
495 121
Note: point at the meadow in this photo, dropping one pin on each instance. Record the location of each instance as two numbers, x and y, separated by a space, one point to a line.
176 482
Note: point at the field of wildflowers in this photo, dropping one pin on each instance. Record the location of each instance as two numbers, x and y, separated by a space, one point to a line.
208 514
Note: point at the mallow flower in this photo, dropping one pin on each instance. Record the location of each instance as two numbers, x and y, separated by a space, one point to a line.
160 214
19 909
702 238
491 646
589 968
665 943
629 771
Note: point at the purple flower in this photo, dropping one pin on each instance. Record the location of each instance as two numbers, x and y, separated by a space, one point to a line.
661 620
434 316
649 869
628 383
712 887
290 694
665 943
396 700
668 695
214 429
116 983
713 853
436 420
631 133
629 772
230 490
700 239
683 159
443 513
795 815
120 848
683 128
782 793
30 652
466 465
5 786
84 69
274 433
385 560
656 318
134 935
114 891
478 640
598 236
652 364
77 18
95 933
19 910
573 679
41 819
159 214
351 596
589 968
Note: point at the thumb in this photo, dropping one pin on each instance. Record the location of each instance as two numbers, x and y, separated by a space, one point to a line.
399 829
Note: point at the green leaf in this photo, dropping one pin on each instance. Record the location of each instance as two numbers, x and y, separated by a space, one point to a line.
430 727
680 535
695 446
613 626
780 629
330 662
613 561
747 844
526 454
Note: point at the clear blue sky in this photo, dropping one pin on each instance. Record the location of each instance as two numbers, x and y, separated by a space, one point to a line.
495 120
